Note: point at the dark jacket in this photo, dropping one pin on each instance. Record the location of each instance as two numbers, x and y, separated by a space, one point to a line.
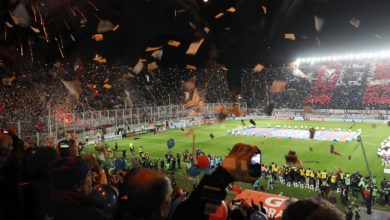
211 191
73 206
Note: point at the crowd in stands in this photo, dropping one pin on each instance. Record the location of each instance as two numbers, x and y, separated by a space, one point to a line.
38 89
33 90
361 85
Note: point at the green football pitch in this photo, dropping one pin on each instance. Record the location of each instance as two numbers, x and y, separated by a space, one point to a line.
273 149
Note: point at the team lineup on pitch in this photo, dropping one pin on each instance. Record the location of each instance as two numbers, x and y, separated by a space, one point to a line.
274 149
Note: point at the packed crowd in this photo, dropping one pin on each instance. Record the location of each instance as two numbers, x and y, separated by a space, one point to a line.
37 89
328 85
55 182
33 90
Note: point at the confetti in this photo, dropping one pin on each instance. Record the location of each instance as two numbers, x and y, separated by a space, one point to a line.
292 159
278 86
258 68
268 109
354 22
318 23
36 30
174 43
192 25
8 24
190 67
219 15
333 151
152 66
73 86
264 9
235 111
206 29
106 80
116 27
97 37
104 26
307 109
349 75
93 6
194 47
149 49
71 37
107 86
298 73
190 84
318 42
189 132
20 16
31 51
99 59
195 102
7 81
138 67
231 10
289 36
157 54
84 19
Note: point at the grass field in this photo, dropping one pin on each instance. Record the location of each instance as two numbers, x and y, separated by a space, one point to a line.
273 149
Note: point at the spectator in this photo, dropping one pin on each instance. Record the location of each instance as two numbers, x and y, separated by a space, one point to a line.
149 191
262 209
8 202
149 195
40 162
312 209
209 193
349 214
70 187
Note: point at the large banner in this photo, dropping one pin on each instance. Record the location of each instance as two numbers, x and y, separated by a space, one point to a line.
273 204
284 117
314 119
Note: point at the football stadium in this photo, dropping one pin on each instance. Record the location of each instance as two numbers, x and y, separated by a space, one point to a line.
194 109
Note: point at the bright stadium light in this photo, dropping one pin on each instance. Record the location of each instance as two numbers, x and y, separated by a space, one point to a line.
349 56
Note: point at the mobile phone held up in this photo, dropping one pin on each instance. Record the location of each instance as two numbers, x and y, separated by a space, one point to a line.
63 145
255 165
236 202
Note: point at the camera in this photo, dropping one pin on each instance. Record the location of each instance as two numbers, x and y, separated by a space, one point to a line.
255 165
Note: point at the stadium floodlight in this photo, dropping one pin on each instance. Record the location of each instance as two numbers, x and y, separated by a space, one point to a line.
349 56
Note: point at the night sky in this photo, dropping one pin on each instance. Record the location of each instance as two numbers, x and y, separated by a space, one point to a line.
247 33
